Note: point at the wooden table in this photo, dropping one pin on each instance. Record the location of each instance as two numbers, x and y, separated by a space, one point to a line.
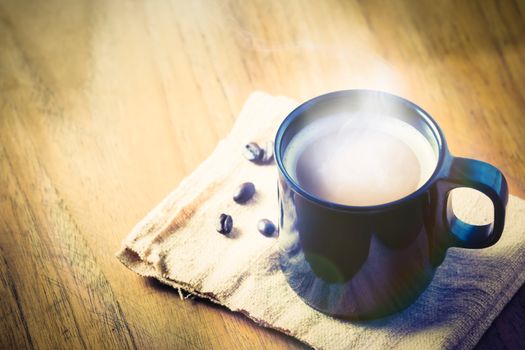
106 105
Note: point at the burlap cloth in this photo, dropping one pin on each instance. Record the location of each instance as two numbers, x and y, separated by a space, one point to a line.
177 244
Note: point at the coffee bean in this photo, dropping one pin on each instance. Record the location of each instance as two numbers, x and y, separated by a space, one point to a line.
253 152
266 227
268 153
244 192
224 224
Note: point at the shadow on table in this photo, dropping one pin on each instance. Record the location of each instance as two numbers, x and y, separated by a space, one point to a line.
163 288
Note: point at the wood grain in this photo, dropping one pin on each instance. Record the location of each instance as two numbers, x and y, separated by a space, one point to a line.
106 105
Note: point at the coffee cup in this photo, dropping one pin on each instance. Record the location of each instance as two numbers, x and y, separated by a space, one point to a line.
364 183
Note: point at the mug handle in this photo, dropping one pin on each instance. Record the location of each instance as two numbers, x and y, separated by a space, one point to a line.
482 177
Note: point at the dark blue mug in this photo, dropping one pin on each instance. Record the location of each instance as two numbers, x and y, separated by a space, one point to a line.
362 262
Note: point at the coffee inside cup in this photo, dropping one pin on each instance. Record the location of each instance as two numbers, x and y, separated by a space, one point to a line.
359 159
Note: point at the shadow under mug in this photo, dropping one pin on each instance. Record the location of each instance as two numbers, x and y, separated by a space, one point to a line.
363 262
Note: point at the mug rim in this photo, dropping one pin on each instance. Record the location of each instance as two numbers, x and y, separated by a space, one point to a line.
299 110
